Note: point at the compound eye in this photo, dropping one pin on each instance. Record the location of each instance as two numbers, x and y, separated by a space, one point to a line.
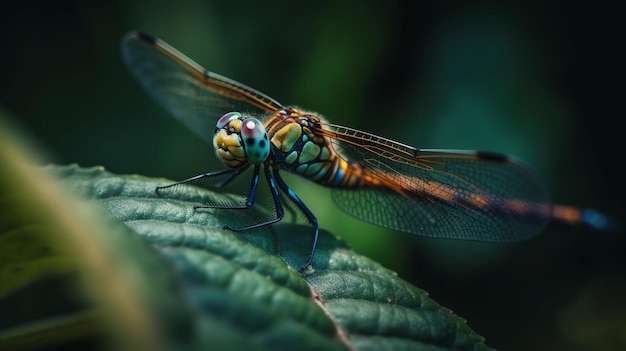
225 119
255 140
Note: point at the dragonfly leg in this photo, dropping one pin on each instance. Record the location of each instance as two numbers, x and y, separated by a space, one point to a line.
199 179
288 207
230 178
309 215
249 199
195 179
275 196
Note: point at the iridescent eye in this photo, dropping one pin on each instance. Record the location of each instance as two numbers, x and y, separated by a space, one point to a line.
225 119
255 140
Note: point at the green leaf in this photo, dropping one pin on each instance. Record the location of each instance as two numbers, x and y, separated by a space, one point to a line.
243 278
158 274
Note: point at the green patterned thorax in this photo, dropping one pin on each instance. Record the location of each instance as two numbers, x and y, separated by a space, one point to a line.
299 150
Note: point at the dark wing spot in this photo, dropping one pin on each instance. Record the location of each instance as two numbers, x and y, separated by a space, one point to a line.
492 156
146 37
262 143
250 142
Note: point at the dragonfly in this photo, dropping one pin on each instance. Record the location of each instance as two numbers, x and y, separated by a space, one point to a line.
438 193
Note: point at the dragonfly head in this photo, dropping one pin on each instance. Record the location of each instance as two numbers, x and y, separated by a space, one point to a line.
239 139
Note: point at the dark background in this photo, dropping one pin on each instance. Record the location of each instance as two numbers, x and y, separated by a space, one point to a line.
538 80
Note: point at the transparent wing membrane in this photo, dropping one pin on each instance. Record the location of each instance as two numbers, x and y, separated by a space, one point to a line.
195 96
451 194
432 217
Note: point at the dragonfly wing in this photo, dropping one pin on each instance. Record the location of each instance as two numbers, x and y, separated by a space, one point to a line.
512 202
435 218
195 96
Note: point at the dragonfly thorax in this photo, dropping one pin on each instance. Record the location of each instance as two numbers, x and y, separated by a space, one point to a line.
239 140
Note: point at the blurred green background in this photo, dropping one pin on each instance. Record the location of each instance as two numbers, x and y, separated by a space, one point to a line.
535 79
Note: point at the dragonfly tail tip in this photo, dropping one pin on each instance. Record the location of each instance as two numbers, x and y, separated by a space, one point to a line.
599 221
